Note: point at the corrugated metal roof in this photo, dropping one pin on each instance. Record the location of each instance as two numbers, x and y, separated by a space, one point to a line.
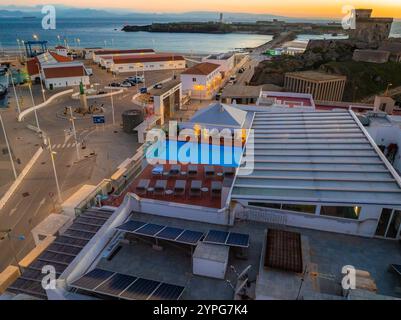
316 157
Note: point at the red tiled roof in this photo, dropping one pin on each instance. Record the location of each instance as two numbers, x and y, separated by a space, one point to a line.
147 58
60 58
124 51
203 68
64 72
32 66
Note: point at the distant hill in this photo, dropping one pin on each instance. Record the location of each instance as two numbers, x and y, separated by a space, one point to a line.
196 16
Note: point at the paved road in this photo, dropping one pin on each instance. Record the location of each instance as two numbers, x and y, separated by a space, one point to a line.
106 147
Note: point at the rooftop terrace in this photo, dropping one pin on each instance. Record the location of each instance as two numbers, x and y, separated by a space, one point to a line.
324 256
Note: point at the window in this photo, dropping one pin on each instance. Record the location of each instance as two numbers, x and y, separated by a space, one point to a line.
304 208
265 205
341 212
299 208
193 79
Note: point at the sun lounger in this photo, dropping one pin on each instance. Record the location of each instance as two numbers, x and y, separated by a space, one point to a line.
192 170
175 169
142 186
209 171
158 170
179 188
160 187
195 190
216 188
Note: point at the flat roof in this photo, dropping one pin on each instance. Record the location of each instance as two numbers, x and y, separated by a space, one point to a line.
309 156
315 76
241 91
165 87
101 52
147 58
203 68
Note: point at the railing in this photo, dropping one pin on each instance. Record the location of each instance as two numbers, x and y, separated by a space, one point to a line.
261 215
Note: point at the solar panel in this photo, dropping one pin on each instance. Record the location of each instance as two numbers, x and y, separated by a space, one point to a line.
190 237
238 239
150 229
215 236
131 226
140 289
116 284
167 292
169 233
92 279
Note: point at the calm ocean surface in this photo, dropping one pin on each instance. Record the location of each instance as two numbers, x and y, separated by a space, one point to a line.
106 32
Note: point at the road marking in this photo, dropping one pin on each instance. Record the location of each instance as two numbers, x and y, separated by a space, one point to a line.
41 203
68 145
15 208
53 146
63 146
58 146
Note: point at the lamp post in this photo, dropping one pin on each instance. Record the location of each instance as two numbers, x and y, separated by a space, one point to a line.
387 89
74 131
58 39
112 107
35 37
15 92
41 82
33 105
19 49
52 154
8 148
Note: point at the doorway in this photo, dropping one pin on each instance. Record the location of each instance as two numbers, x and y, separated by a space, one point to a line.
389 224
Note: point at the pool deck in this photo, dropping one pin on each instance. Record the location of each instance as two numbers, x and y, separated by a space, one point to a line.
205 200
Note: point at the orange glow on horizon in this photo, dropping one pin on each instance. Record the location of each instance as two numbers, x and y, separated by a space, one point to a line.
287 8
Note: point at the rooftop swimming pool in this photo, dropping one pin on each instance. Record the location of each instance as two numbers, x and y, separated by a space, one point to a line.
183 152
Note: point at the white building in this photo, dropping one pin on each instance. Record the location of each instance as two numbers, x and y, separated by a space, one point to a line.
226 61
64 75
96 55
150 62
48 58
201 81
319 170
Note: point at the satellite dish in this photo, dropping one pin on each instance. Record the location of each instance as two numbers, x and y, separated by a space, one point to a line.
243 273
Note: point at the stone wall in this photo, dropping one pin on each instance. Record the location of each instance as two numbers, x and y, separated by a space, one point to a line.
373 56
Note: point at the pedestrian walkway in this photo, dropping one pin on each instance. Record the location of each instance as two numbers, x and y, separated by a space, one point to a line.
64 145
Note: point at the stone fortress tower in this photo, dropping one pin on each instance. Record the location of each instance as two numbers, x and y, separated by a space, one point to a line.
368 29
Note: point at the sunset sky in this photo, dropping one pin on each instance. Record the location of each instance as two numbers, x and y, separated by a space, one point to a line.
291 8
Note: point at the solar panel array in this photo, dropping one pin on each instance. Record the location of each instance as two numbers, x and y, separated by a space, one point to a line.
126 287
162 232
61 252
231 239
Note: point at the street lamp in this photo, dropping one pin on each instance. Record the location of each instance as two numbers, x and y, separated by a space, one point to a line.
74 131
15 91
58 39
112 106
41 82
8 148
35 37
33 105
52 154
388 87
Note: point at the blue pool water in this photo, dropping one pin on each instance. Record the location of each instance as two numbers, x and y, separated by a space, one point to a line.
183 152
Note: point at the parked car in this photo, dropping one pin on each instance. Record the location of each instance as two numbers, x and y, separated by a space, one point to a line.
241 70
233 78
126 84
136 79
158 86
133 83
114 84
144 90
